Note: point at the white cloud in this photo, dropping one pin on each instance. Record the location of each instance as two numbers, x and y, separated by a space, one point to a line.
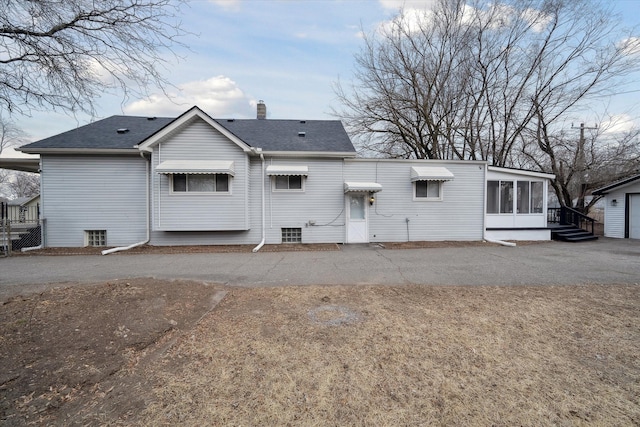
418 13
227 4
630 45
618 123
218 96
410 21
407 4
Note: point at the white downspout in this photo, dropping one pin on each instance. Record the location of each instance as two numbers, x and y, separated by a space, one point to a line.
144 242
484 216
264 229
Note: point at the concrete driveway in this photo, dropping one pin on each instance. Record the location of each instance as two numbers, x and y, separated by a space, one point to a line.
604 261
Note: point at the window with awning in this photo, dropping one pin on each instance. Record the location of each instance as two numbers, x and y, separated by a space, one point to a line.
191 167
280 170
288 177
430 173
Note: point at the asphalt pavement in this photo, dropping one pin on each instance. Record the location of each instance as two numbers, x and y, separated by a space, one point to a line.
605 261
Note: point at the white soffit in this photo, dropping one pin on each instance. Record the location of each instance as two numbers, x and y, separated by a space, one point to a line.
196 166
368 187
430 173
287 170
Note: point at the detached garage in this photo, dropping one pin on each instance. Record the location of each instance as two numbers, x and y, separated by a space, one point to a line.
622 208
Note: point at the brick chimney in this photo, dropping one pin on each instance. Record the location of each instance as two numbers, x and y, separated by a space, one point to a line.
262 110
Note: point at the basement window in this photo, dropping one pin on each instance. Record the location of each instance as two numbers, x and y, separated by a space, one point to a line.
292 235
95 237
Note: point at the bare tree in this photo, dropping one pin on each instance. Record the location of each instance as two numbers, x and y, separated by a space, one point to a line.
64 54
24 184
410 84
10 135
582 165
471 80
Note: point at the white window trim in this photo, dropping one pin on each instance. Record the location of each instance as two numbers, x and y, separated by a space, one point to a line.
303 180
199 193
428 199
515 197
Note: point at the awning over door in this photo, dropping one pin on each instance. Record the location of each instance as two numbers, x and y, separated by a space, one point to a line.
368 187
287 170
430 173
196 166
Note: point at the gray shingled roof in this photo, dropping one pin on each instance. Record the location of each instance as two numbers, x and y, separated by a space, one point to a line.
103 134
606 189
291 135
270 135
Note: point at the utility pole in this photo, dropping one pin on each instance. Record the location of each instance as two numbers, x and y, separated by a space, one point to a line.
581 166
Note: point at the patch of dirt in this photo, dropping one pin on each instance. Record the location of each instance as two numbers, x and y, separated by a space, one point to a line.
66 353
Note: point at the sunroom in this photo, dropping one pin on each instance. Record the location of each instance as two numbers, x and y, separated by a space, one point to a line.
516 204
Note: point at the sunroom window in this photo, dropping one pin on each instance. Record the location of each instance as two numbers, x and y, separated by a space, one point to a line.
529 197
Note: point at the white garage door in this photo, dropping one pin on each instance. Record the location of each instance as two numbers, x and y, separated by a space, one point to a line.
634 216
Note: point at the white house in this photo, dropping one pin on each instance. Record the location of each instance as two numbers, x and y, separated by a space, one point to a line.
196 180
622 208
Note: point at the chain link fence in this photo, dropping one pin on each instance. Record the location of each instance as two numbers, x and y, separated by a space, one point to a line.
20 227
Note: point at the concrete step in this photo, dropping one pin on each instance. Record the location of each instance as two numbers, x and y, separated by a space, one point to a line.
571 234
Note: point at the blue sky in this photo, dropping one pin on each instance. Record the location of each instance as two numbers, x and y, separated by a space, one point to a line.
288 53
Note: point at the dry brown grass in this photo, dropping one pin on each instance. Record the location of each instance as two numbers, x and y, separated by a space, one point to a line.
383 356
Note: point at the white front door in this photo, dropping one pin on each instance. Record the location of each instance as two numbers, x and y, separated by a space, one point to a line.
634 216
357 227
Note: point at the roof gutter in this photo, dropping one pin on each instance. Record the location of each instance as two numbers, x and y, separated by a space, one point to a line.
325 154
78 150
144 242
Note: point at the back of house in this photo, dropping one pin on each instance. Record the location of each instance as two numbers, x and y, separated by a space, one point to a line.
195 180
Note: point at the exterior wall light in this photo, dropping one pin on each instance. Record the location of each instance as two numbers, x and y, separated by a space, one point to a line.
614 202
371 200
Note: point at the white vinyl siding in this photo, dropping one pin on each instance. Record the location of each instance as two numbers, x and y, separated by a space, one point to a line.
615 216
318 211
200 210
82 193
396 217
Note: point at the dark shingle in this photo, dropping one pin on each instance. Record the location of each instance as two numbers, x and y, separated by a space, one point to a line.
284 135
124 132
104 134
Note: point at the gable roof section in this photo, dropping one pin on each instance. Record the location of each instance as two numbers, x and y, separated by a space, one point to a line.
101 135
184 119
617 184
292 135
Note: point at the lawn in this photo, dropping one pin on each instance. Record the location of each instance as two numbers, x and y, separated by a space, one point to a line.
358 355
